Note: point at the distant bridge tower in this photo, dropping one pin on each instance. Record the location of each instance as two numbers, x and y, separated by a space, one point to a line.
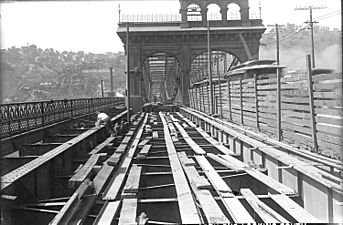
232 31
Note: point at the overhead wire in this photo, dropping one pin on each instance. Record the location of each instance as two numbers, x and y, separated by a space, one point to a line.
300 28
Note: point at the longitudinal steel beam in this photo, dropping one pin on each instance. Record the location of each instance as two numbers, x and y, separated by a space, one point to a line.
15 175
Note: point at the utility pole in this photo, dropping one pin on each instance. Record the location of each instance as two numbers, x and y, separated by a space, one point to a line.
209 67
277 42
102 88
119 13
111 79
311 22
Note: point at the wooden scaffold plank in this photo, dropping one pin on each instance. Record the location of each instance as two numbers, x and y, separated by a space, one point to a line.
113 189
267 214
237 211
187 206
293 209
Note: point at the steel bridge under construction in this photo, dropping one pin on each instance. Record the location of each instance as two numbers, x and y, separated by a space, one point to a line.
207 134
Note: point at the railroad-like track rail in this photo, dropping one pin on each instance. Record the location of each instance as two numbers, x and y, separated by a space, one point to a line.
171 168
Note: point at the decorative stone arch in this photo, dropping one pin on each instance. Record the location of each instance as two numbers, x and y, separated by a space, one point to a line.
217 15
198 13
148 53
236 53
243 5
233 11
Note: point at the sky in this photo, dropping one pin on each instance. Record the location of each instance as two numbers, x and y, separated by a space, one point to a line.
90 26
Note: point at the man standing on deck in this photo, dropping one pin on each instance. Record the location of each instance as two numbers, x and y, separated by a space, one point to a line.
104 119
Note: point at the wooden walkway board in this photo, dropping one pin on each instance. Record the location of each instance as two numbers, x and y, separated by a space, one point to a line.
267 214
154 135
222 188
230 162
144 142
67 211
237 211
83 172
144 151
128 212
107 214
187 206
209 205
189 140
112 191
235 164
211 140
132 182
293 209
297 164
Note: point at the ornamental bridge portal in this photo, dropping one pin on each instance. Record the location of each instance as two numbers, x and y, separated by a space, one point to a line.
233 37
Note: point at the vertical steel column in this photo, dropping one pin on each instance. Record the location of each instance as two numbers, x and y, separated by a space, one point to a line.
241 98
128 72
278 87
209 68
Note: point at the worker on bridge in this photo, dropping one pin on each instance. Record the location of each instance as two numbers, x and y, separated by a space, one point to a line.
104 119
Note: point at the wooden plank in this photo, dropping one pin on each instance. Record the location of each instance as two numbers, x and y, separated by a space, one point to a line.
230 162
211 140
303 153
132 182
293 209
185 160
329 111
128 212
113 189
187 206
209 205
328 102
327 95
327 86
329 120
66 213
286 159
238 166
237 212
154 135
240 100
256 103
267 214
326 77
108 211
114 159
84 172
145 150
329 138
144 142
189 140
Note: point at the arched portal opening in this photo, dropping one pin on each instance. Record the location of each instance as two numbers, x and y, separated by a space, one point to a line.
213 12
160 78
220 62
203 96
233 12
194 13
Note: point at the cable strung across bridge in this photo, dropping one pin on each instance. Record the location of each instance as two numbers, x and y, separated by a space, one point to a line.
166 169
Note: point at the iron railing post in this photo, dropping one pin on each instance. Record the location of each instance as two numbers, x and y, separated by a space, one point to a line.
42 112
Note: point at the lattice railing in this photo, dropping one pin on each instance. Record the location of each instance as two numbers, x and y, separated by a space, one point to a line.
16 118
